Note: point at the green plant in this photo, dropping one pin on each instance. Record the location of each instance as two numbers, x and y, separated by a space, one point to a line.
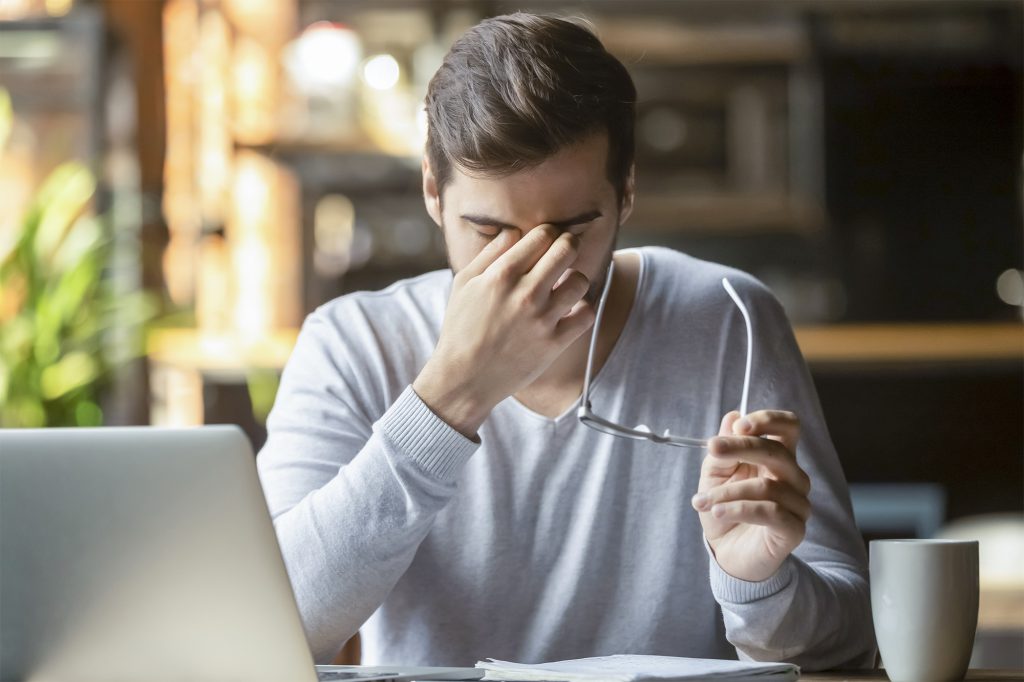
58 311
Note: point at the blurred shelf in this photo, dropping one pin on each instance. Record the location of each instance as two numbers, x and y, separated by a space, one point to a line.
356 144
229 358
351 165
233 358
725 213
856 343
657 41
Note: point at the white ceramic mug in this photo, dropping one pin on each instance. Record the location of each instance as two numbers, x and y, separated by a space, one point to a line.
924 602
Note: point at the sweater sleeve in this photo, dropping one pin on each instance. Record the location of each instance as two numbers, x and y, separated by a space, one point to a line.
815 611
351 497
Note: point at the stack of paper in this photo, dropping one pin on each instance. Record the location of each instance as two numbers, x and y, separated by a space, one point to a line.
640 669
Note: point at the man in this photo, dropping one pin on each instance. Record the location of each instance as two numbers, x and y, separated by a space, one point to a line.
430 483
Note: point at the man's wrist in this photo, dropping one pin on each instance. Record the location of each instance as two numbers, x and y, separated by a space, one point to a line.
456 405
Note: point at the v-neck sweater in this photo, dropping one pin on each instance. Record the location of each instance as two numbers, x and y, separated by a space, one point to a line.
548 540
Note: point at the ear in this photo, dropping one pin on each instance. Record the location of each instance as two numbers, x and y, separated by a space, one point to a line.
431 197
628 194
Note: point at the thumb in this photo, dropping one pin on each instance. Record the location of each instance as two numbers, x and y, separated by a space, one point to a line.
727 421
714 471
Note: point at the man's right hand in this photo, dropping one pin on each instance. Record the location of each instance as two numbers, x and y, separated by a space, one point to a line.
512 311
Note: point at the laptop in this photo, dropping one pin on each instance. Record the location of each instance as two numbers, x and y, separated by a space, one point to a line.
148 554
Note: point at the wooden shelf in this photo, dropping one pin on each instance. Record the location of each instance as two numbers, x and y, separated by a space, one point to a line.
911 343
725 213
234 358
225 357
678 43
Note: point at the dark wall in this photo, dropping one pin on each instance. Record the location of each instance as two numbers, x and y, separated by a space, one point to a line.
962 427
923 147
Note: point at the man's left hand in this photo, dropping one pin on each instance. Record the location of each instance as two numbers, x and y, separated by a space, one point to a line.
752 495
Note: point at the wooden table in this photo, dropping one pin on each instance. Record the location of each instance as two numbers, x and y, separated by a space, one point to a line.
879 675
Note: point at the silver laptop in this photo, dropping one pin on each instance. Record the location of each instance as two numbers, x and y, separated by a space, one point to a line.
148 554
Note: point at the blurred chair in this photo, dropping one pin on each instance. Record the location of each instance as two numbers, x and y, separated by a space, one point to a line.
898 510
1000 639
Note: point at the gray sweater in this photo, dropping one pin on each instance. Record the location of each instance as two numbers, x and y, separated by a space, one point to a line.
549 540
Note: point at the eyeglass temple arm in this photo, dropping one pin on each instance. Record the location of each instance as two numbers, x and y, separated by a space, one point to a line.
593 332
750 342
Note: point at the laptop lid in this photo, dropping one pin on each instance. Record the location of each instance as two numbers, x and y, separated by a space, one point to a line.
141 553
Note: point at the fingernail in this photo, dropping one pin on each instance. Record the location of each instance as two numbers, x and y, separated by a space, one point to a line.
717 511
743 424
700 500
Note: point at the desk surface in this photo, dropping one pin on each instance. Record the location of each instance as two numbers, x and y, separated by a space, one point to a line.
871 675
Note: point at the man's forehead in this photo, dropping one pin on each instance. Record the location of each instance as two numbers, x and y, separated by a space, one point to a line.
559 197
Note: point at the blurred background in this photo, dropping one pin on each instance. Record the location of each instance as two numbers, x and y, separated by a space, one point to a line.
182 181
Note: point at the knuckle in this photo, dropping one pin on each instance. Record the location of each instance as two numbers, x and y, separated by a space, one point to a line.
562 250
526 300
765 487
502 276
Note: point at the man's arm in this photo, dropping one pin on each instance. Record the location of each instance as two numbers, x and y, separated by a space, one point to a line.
787 564
352 498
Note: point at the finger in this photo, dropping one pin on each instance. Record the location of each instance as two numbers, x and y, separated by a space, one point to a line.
569 292
525 253
730 418
780 423
571 326
552 265
713 467
759 513
771 454
490 253
757 489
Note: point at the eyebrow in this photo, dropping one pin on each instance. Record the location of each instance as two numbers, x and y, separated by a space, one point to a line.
488 221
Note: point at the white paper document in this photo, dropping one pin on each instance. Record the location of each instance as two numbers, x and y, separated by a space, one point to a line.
639 669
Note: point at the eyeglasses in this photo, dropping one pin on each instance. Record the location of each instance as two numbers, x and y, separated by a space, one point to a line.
640 431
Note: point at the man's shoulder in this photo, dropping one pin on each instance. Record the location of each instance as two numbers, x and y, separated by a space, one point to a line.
681 277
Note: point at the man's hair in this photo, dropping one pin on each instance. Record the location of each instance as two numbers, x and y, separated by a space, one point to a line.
516 89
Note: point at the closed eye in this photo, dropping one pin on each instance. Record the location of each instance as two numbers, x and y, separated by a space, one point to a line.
489 228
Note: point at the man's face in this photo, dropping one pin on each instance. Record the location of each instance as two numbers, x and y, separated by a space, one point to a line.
570 190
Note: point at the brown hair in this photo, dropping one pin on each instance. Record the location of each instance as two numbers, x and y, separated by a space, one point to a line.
516 89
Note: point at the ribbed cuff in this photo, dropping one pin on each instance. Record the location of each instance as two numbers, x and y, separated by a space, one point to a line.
727 588
425 438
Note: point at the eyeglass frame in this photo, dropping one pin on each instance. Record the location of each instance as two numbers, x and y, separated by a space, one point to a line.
585 412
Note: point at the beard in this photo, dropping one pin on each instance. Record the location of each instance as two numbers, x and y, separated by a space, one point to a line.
594 290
